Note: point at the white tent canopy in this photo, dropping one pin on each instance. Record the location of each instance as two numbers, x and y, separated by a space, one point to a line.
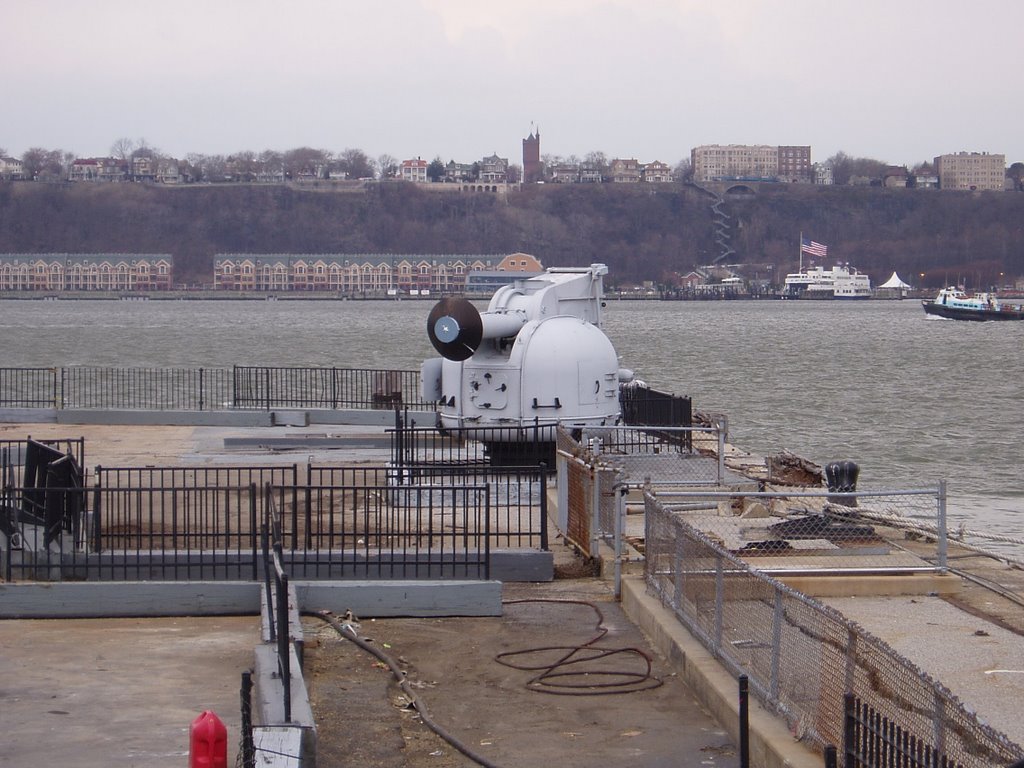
895 282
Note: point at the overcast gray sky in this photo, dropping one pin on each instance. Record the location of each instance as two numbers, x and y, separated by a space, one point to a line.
895 80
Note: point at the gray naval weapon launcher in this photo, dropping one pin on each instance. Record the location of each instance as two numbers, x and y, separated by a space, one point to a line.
535 358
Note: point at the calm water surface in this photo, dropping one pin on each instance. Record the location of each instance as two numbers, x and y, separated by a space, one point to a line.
913 400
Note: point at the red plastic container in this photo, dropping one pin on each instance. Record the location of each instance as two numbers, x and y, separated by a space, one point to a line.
207 742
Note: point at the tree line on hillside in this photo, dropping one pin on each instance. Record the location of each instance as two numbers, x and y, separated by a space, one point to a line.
642 234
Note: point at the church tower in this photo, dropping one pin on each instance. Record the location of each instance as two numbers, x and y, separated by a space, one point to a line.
532 171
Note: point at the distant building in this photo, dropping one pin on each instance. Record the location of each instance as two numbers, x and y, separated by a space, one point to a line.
971 170
565 174
533 171
895 176
99 169
823 174
751 162
362 274
795 165
590 173
494 169
625 171
11 168
454 172
55 272
715 162
143 169
515 266
413 170
926 181
656 172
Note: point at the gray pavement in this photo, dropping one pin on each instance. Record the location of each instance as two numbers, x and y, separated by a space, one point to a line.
981 662
103 692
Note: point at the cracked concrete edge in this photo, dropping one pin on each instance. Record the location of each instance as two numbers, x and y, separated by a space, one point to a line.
771 743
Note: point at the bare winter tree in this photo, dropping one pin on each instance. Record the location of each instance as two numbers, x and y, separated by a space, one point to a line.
43 164
683 170
356 164
387 166
122 148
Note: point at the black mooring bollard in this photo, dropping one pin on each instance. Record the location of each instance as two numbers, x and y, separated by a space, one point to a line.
841 477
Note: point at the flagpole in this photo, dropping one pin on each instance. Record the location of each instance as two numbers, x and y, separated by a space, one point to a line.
801 269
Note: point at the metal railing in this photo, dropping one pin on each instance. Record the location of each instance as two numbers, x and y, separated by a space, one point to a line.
400 532
174 523
29 387
642 406
276 594
516 497
205 389
801 656
265 388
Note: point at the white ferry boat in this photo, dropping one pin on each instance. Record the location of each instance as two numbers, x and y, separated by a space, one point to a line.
840 282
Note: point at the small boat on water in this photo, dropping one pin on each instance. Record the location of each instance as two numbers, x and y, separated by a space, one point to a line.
955 304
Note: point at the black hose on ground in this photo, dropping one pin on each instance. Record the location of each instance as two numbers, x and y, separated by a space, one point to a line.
403 683
567 675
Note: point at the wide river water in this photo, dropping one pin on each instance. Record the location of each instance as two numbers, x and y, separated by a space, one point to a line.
912 399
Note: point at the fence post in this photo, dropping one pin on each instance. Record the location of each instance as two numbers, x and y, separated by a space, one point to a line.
620 489
722 429
543 507
849 731
245 695
941 524
744 722
253 490
97 512
284 644
202 398
939 722
595 510
719 600
777 616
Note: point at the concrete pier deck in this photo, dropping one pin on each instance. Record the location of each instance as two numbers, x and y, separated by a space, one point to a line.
77 699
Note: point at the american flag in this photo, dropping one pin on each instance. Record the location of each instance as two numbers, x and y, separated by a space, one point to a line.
813 248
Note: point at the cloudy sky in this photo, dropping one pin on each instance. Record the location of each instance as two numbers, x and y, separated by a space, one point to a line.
895 80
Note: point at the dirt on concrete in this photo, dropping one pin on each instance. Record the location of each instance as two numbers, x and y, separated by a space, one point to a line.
600 705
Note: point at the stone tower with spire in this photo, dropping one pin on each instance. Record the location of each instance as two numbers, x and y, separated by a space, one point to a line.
532 170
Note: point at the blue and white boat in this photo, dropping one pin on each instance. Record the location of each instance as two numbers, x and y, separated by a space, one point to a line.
956 304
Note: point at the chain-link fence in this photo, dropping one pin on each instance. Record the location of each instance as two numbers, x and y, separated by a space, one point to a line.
672 456
808 530
801 656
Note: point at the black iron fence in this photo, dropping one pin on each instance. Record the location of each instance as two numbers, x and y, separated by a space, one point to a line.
873 739
645 407
276 595
400 532
174 523
205 389
29 387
